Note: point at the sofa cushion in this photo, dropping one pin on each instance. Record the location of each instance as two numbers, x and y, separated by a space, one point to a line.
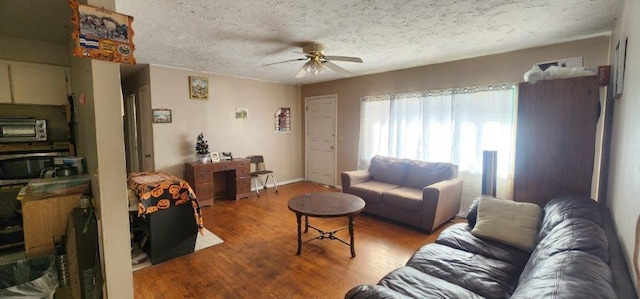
472 214
405 198
371 291
512 223
569 274
459 236
388 170
371 191
571 234
416 284
479 274
421 174
565 207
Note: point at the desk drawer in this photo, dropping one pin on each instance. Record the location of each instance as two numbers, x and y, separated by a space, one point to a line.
243 169
202 174
204 191
243 185
223 166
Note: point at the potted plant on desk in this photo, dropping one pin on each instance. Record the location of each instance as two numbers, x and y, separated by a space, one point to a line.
202 149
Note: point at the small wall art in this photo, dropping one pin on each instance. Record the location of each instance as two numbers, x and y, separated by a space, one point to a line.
283 120
161 116
621 57
242 112
198 88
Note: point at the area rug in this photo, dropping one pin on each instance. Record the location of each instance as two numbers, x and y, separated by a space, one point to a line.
205 240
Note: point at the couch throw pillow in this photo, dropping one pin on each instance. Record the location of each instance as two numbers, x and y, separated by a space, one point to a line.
388 170
422 174
513 223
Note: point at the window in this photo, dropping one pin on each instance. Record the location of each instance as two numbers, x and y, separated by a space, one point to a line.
453 125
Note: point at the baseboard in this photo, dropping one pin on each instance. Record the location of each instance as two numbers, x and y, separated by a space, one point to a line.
253 189
271 185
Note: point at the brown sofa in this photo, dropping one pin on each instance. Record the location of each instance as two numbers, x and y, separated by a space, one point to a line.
421 194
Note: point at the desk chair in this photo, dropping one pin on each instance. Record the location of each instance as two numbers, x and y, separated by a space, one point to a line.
258 171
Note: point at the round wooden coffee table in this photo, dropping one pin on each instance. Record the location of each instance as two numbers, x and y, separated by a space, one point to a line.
326 205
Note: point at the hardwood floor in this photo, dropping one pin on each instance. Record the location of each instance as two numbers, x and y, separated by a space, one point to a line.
258 257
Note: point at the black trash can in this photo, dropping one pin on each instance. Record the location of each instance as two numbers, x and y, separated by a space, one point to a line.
31 278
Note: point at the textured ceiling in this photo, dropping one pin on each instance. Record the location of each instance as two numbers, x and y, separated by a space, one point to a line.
238 37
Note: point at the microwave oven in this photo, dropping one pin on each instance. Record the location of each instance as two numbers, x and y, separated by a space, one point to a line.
20 167
22 130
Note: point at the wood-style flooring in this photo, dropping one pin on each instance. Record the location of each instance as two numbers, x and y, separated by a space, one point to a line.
258 257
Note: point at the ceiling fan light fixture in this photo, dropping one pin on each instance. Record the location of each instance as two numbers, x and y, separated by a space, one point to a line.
314 66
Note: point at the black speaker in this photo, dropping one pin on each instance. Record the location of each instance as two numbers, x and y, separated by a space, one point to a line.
489 172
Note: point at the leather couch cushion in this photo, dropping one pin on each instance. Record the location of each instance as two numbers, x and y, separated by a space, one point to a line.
569 274
512 223
372 291
421 174
371 191
572 234
388 170
565 207
481 275
459 236
408 280
409 199
472 214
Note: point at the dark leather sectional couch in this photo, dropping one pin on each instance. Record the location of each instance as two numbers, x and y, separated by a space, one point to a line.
577 255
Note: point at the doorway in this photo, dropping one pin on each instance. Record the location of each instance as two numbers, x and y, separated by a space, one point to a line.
320 140
138 131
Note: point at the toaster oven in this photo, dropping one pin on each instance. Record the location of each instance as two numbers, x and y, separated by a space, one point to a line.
22 130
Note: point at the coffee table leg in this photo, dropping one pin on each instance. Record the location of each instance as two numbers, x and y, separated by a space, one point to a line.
306 224
353 249
299 218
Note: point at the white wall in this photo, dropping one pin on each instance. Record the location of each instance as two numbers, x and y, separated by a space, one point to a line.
624 170
174 143
101 141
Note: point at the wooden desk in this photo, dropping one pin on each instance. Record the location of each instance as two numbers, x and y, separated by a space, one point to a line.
219 179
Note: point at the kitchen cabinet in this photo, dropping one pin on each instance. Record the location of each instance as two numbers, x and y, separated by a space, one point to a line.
39 84
5 87
32 83
45 220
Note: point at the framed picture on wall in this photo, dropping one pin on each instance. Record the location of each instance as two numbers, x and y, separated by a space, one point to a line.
621 55
161 115
198 88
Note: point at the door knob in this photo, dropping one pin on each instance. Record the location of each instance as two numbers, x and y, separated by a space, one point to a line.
147 156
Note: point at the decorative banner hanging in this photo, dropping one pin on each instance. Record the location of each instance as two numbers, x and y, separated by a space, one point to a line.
283 120
102 34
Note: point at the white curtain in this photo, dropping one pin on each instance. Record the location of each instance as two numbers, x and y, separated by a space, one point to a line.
453 125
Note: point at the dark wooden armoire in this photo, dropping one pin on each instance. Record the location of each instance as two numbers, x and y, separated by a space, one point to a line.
555 141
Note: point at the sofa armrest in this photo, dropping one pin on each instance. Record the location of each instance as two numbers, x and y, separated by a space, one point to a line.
350 178
440 202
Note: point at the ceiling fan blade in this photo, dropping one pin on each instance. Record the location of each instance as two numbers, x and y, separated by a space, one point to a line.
301 73
334 67
290 60
344 58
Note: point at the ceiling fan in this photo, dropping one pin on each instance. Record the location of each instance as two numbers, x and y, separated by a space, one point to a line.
317 61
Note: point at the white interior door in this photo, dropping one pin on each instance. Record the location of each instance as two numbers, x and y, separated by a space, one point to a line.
145 130
131 133
321 139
